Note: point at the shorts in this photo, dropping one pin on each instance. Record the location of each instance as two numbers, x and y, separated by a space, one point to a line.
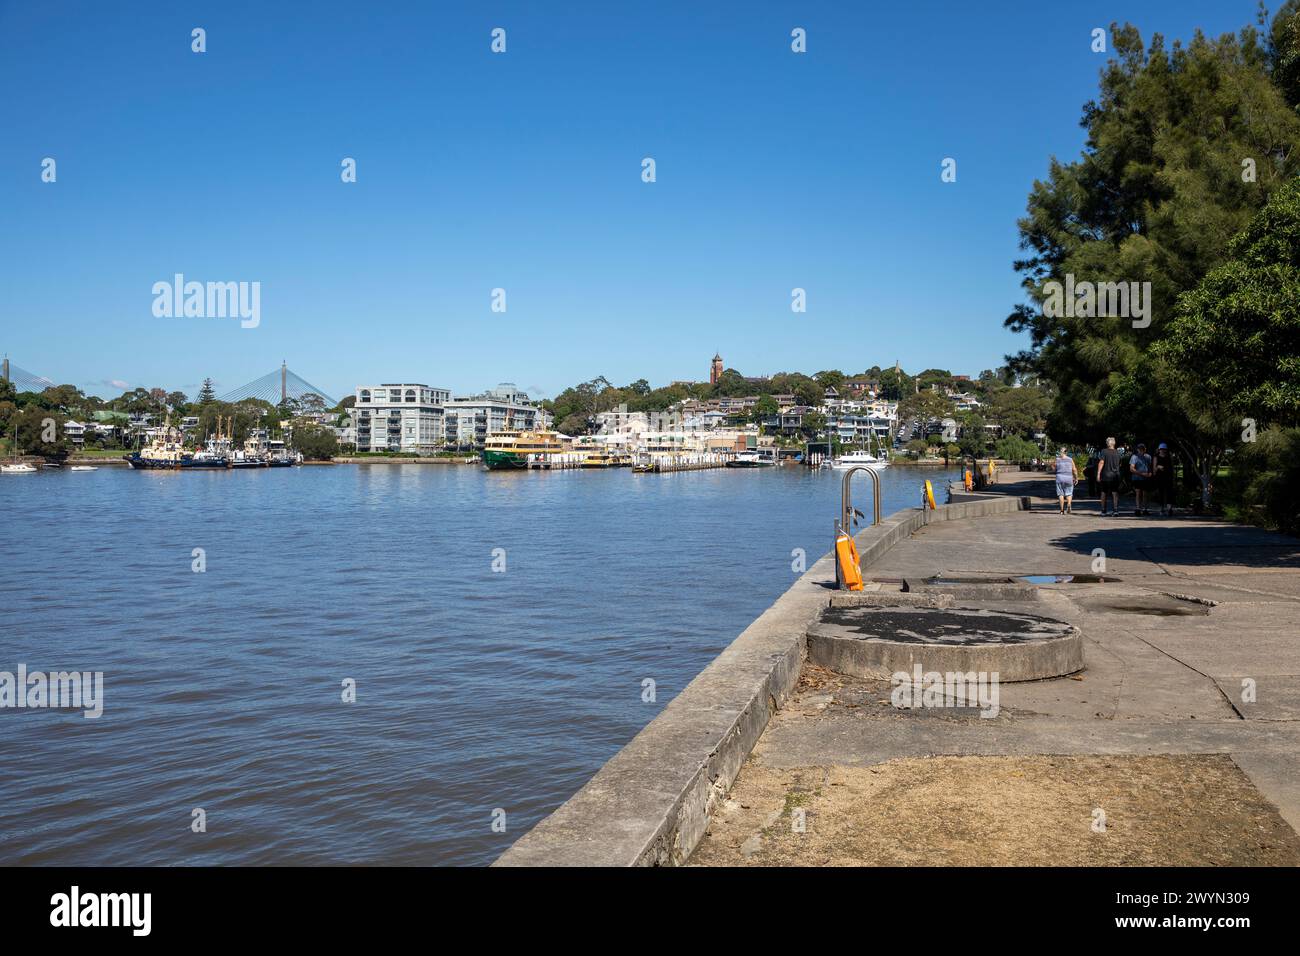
1064 489
1109 486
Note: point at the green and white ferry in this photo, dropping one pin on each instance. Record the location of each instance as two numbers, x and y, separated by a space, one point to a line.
518 449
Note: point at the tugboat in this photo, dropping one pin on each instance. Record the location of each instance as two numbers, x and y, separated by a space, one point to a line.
165 452
216 451
254 454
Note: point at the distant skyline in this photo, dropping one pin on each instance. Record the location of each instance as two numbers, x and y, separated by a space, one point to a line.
522 171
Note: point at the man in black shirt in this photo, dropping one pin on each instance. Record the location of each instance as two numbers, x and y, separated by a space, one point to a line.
1108 474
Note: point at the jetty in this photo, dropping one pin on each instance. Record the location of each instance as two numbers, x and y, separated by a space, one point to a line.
1167 731
655 463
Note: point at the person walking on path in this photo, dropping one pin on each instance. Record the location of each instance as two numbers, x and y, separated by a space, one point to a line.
1139 467
1162 477
1066 475
1108 467
1090 471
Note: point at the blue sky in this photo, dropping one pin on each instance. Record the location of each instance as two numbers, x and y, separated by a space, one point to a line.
523 171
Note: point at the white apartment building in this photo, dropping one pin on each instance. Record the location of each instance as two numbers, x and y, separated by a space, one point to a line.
470 419
399 417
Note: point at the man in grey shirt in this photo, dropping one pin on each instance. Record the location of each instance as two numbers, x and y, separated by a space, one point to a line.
1108 466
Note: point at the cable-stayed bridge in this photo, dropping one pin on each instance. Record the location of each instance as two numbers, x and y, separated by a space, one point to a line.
273 387
23 380
276 387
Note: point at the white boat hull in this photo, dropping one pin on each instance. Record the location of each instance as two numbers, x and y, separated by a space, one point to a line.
873 465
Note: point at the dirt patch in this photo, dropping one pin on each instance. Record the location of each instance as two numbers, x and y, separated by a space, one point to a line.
1197 810
823 693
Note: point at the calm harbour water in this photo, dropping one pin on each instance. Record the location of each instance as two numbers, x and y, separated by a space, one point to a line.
475 690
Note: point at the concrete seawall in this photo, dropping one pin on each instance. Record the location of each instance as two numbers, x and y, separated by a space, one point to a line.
649 804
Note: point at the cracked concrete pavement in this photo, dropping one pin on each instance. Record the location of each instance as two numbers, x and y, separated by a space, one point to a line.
1191 653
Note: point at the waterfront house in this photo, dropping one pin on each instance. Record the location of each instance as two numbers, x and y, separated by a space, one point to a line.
792 417
75 432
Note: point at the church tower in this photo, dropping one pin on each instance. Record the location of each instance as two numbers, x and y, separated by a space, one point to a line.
715 370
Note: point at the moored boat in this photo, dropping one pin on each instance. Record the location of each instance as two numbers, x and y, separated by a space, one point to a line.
863 458
14 466
255 453
510 450
278 454
854 459
165 452
752 459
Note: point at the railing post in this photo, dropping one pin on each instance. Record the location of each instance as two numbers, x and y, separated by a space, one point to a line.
845 524
846 505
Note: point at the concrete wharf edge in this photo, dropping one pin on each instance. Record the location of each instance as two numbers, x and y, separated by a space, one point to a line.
649 804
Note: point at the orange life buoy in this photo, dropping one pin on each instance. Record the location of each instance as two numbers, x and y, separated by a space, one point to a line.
846 552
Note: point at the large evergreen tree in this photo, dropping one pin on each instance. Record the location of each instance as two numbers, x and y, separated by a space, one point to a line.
207 394
1183 148
1233 351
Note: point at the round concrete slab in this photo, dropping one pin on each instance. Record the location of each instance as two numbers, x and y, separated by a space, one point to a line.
877 642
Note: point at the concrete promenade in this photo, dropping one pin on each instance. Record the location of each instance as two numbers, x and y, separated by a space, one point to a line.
1179 743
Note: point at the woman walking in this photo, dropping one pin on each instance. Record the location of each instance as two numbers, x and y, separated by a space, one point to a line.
1139 469
1066 475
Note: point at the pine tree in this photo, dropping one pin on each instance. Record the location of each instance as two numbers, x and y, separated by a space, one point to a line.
1184 147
